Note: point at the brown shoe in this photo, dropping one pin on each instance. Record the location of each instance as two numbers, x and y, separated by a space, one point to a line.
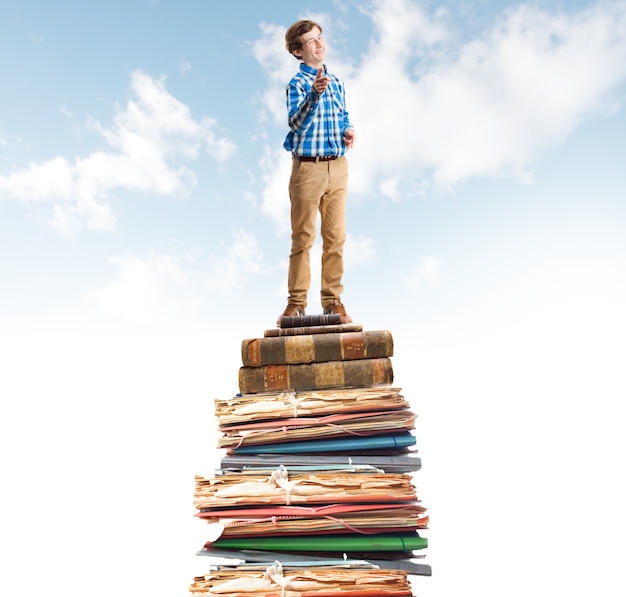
291 311
337 307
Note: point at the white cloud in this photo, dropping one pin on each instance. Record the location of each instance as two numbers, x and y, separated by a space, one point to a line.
358 250
164 288
276 168
146 143
429 271
432 110
243 257
146 290
278 65
40 182
488 107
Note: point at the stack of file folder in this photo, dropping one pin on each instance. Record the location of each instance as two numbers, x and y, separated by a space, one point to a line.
315 487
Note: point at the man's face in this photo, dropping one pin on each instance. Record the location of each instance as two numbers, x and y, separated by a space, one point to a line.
313 50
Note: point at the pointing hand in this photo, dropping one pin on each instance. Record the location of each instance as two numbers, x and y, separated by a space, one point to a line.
321 82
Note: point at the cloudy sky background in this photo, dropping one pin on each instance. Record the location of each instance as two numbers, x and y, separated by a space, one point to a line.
144 233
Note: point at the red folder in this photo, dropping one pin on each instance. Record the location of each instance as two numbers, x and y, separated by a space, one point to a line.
328 519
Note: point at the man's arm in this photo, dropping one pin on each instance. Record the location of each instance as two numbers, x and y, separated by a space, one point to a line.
302 103
348 130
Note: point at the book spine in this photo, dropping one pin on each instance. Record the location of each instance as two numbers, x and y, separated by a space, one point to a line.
316 348
308 320
359 373
313 329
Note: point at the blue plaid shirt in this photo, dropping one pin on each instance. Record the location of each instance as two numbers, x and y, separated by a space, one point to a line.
317 122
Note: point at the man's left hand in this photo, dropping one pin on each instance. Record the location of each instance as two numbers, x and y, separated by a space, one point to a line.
348 138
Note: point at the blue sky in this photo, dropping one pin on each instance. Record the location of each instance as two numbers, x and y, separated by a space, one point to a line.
144 234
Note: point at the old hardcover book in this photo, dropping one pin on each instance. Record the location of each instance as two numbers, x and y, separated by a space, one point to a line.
298 321
313 329
316 376
316 348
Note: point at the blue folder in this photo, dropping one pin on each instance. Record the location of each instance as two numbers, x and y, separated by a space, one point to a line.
344 444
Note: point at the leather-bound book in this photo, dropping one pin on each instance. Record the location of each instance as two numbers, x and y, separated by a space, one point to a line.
296 321
316 348
314 329
358 373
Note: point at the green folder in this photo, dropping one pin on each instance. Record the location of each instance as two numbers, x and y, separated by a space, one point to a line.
326 543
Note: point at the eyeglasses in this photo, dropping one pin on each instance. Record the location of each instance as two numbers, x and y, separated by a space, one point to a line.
314 41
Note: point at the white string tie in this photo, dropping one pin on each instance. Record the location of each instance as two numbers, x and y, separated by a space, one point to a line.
293 400
280 478
274 573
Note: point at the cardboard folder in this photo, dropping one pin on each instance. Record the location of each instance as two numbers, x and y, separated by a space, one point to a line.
306 520
252 555
305 428
312 581
284 488
402 463
245 408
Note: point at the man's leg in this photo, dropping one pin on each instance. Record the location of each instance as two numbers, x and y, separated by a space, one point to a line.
308 182
333 230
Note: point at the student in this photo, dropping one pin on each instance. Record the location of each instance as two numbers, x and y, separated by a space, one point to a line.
320 135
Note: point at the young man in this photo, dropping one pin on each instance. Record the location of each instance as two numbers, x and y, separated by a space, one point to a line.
320 135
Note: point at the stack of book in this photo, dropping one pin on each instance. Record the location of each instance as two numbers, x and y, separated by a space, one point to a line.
315 488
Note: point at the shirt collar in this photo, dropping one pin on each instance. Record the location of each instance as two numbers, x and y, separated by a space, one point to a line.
309 69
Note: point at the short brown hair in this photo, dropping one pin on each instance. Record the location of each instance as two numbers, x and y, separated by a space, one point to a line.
299 28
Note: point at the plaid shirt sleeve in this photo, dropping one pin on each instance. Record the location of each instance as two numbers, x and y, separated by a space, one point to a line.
317 122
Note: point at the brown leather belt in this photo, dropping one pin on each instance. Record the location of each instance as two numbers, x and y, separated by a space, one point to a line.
321 158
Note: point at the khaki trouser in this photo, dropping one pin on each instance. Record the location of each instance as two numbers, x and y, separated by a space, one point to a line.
317 186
